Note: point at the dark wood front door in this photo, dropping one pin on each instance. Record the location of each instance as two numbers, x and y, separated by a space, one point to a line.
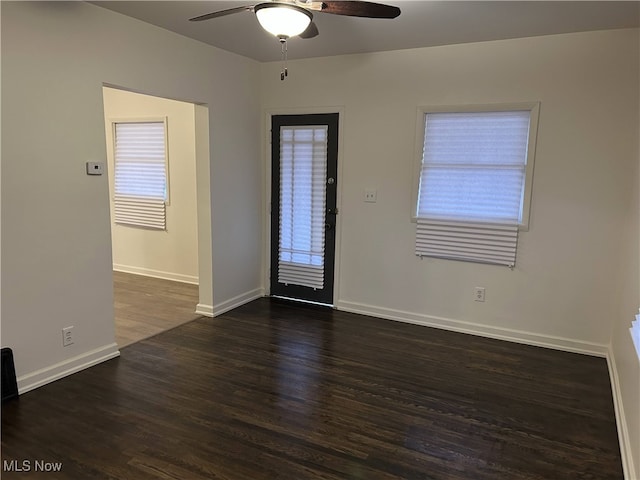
303 205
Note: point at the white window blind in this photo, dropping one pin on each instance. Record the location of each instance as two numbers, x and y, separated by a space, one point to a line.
140 174
475 242
472 181
303 172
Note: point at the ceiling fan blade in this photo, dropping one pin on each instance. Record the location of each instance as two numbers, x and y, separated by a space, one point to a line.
354 8
222 13
314 5
310 32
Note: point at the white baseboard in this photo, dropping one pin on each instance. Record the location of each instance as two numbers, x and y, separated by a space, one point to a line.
621 422
205 310
237 301
147 272
518 336
36 379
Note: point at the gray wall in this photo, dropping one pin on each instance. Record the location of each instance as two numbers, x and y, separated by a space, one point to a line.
56 242
580 254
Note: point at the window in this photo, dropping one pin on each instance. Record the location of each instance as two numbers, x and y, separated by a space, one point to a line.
635 333
140 174
474 181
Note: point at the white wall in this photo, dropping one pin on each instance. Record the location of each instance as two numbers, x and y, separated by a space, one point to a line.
581 251
563 289
172 253
624 361
623 358
203 190
56 248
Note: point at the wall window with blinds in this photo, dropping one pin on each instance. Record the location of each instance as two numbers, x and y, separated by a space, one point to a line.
140 174
474 181
635 334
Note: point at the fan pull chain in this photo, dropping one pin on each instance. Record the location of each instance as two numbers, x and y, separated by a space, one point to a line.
284 72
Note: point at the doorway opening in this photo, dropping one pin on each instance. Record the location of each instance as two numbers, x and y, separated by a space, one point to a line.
156 263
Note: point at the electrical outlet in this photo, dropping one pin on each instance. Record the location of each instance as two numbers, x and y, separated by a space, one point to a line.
67 336
478 294
370 196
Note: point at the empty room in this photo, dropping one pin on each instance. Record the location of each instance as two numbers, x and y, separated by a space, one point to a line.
416 240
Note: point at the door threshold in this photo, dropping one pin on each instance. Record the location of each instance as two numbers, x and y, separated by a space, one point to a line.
299 300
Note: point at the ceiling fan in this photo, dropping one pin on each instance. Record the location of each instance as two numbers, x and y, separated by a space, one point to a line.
290 18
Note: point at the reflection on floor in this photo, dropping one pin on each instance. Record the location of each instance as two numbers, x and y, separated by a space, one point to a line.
146 306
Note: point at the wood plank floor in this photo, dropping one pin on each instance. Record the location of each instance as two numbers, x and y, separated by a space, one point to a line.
145 306
280 391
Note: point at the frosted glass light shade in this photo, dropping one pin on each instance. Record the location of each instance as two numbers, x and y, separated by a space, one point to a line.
281 20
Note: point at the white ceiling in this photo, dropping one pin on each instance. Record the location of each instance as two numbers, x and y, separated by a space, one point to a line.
422 23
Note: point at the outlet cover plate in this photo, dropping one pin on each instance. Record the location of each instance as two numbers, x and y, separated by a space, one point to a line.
370 196
67 336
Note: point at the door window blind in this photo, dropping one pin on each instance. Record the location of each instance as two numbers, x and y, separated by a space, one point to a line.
140 174
472 184
303 172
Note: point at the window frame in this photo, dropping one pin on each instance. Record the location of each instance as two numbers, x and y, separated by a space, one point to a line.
423 111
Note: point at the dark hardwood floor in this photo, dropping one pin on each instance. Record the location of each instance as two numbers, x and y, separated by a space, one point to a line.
280 391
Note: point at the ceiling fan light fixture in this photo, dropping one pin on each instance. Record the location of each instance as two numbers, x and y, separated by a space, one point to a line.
283 20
